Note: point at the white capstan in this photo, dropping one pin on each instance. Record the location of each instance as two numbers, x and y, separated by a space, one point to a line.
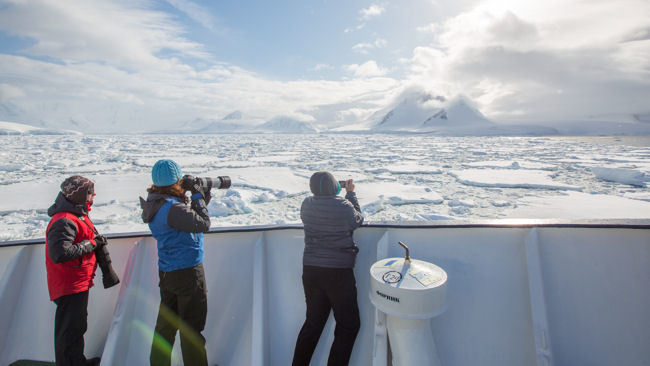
410 292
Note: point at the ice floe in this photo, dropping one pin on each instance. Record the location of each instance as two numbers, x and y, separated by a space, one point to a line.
508 178
374 196
407 168
510 164
572 205
620 175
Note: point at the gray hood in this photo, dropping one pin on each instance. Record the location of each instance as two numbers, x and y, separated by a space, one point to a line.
323 184
151 206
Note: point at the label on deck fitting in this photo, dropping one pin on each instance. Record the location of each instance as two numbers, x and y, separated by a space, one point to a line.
392 277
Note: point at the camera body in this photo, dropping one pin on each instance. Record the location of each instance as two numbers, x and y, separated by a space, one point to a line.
343 183
222 182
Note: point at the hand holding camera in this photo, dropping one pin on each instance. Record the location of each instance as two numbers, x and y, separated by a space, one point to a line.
100 241
194 185
347 184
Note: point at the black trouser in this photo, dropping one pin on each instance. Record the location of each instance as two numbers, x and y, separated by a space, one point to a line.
70 325
328 289
183 307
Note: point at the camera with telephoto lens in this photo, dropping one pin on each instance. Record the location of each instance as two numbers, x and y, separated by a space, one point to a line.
222 182
109 277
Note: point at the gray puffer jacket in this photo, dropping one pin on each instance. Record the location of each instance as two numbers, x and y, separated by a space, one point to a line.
329 221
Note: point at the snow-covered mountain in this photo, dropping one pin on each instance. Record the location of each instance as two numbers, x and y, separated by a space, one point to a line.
424 112
237 122
641 117
234 122
222 127
234 116
284 124
12 128
231 123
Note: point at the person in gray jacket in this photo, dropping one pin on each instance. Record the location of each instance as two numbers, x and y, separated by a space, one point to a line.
328 268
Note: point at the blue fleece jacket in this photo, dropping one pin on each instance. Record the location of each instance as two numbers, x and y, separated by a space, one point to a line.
178 228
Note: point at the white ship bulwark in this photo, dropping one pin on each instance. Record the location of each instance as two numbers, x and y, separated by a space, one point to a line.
518 293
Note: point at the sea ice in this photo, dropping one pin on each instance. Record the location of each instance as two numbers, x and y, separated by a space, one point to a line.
407 168
572 205
643 196
508 178
280 181
625 176
510 164
231 203
461 203
397 177
373 196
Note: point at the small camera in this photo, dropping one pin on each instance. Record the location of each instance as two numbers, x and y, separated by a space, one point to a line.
343 183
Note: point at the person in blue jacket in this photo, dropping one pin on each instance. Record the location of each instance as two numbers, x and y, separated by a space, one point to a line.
328 268
178 228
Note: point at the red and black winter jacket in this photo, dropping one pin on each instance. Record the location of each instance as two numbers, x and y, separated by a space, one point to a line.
70 262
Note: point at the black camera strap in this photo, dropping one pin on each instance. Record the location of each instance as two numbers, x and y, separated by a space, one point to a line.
92 226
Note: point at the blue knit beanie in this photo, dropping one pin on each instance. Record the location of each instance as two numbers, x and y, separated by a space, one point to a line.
165 173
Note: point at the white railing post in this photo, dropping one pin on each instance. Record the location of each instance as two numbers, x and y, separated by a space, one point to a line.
537 300
258 356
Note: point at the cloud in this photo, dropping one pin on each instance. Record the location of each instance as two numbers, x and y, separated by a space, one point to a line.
118 66
358 27
366 70
638 35
555 59
110 32
429 28
320 67
374 10
8 92
198 13
364 48
366 14
105 98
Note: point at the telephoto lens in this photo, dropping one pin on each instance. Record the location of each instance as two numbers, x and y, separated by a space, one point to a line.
222 182
225 182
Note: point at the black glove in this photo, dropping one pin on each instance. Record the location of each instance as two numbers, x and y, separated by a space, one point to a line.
196 186
100 241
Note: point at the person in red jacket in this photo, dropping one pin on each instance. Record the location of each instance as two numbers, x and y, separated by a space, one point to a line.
70 263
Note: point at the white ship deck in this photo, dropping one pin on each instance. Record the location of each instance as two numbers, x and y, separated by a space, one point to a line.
518 293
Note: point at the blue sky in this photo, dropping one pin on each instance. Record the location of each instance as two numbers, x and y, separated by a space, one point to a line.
101 65
305 39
